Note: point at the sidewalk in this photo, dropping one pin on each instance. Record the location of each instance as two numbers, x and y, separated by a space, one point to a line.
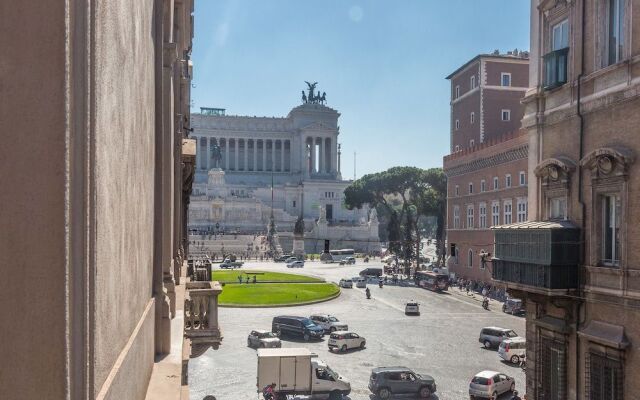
474 296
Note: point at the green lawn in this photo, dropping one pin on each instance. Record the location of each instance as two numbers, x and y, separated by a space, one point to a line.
274 294
231 276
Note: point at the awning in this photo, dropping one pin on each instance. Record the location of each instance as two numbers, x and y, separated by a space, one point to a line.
605 334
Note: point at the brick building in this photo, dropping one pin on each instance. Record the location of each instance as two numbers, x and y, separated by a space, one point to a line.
487 169
577 265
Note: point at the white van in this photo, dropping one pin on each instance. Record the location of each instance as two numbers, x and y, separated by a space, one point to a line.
513 349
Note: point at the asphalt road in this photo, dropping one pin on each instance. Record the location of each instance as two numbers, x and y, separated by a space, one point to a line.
441 342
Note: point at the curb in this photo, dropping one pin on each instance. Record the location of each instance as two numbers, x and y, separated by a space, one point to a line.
306 303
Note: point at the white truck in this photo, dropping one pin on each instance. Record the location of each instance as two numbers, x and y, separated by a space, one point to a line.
297 371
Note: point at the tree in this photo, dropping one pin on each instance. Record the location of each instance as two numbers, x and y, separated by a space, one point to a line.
406 194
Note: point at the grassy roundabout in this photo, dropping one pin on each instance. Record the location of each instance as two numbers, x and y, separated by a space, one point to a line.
283 289
261 276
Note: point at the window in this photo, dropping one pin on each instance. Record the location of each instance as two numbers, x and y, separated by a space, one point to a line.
457 92
294 204
615 31
553 370
457 148
507 212
457 124
522 209
560 35
483 186
457 190
506 115
495 213
495 183
605 378
472 118
507 181
470 258
470 216
482 215
456 217
505 79
472 143
472 81
611 229
558 208
471 188
523 180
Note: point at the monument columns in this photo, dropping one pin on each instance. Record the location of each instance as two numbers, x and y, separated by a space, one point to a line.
273 155
226 154
236 151
264 155
245 142
282 156
255 153
207 153
313 155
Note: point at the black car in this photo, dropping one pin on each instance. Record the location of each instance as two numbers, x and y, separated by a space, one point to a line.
388 381
377 272
296 326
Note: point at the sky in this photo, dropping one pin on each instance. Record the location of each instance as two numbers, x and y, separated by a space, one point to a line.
382 64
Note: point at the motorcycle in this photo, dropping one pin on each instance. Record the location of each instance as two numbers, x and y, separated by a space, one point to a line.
485 304
380 284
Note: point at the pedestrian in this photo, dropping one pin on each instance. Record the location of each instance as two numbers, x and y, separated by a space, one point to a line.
484 292
254 279
239 279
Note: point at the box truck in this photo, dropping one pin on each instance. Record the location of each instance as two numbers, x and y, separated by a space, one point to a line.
297 371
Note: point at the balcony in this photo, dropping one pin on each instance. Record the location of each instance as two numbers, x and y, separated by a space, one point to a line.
537 256
201 327
555 68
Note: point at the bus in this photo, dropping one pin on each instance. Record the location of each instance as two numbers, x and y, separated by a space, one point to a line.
432 280
340 255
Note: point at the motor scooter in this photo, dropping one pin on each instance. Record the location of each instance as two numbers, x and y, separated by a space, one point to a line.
380 283
485 304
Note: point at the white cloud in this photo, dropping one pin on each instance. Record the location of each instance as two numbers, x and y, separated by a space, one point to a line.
356 13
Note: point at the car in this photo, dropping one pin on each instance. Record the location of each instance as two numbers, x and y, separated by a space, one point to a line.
264 339
388 381
492 336
328 322
350 260
412 308
282 258
286 325
490 385
513 349
291 259
513 307
346 340
227 264
361 283
295 264
346 283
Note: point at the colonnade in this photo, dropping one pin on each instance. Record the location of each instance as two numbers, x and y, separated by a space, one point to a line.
320 155
245 154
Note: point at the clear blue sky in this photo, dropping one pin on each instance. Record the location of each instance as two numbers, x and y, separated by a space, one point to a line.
382 64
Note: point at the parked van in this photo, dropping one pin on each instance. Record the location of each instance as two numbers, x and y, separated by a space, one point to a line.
513 349
296 326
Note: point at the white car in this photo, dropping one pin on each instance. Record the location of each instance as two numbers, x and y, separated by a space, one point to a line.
295 264
412 308
345 341
346 283
361 283
261 338
490 385
328 322
513 349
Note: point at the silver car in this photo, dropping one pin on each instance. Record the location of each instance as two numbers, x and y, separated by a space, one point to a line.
490 385
261 338
346 283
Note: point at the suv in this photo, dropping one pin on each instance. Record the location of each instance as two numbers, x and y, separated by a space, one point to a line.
513 307
350 260
513 350
412 308
295 264
490 385
346 283
260 338
492 336
345 341
296 326
328 322
387 381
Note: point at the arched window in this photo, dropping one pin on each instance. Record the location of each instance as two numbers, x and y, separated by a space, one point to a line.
470 260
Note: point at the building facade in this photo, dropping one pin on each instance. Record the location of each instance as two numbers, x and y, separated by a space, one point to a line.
487 170
239 158
96 182
577 264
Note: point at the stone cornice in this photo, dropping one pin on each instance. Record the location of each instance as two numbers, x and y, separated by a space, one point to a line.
513 154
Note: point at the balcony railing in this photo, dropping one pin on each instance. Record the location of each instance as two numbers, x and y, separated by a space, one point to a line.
555 68
541 255
201 316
